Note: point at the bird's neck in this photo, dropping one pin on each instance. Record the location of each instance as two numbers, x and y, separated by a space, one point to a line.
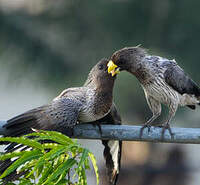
101 85
103 91
136 66
142 73
104 87
103 100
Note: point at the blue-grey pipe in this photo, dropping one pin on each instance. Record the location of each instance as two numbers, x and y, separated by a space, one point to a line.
132 133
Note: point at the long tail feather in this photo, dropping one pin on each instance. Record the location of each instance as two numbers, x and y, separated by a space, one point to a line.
112 150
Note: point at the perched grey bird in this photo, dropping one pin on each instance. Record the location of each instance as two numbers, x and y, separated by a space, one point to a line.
89 103
162 79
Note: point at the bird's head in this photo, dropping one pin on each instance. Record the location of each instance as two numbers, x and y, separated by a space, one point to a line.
99 75
125 59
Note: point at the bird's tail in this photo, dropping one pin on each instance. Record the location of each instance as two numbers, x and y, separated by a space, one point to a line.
113 148
112 155
2 127
17 126
13 175
23 123
38 118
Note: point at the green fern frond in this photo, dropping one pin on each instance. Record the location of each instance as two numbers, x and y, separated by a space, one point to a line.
24 141
52 159
28 156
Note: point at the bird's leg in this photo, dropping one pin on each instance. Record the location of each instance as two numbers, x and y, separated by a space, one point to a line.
166 125
69 131
148 124
155 107
100 130
98 124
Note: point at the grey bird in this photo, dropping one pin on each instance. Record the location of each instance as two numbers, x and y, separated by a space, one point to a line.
163 82
89 103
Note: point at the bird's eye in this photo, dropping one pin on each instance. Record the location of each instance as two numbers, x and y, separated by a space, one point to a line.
100 66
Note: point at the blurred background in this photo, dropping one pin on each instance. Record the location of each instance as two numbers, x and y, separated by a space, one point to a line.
47 46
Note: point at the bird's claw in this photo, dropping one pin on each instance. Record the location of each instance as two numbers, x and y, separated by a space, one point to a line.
143 127
166 127
69 131
99 127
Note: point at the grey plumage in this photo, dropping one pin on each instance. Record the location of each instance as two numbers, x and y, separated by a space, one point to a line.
89 103
162 79
177 79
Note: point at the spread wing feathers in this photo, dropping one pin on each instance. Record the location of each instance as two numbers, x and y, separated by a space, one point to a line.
6 163
12 176
58 116
181 82
112 150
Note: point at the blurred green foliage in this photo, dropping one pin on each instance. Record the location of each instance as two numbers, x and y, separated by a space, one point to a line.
61 40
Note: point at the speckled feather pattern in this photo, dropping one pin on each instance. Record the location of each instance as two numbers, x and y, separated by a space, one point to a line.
155 85
88 103
163 81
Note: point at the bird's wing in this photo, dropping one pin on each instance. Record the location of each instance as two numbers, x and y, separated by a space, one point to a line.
59 116
181 82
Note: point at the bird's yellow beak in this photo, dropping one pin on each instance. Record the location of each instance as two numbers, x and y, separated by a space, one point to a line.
112 68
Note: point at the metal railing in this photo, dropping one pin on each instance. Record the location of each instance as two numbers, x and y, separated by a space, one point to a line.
132 133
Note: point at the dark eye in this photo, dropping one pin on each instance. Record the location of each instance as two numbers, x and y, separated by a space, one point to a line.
100 66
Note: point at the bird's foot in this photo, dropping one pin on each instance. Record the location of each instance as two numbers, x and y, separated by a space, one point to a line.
96 123
165 127
69 132
146 125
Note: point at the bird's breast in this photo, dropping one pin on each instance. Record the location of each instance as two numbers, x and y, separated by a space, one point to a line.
162 92
96 107
89 114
